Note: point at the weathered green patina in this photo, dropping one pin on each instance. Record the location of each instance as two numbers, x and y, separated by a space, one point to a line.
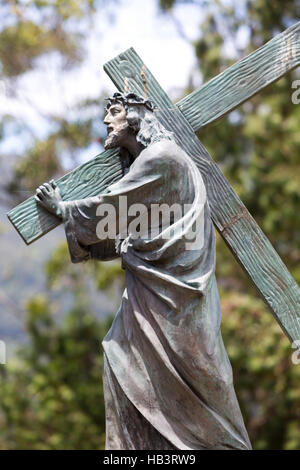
215 99
168 382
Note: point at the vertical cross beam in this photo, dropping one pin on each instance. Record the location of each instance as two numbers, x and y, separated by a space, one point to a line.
245 239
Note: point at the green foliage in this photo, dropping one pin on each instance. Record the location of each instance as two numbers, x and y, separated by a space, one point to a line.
166 5
52 396
29 41
66 9
43 160
29 31
23 39
107 276
40 162
33 28
266 380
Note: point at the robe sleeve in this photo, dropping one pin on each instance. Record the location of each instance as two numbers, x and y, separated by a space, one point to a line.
142 184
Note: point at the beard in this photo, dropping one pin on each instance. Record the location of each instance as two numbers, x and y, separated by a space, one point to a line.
111 141
116 137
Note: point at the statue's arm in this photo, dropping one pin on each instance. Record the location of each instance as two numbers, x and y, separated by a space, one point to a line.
142 184
80 237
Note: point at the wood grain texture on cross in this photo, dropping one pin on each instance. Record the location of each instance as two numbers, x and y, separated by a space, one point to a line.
244 79
239 230
90 179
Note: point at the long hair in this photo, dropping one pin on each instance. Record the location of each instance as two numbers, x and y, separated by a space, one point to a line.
146 126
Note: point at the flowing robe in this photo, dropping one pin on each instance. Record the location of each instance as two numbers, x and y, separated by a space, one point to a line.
167 377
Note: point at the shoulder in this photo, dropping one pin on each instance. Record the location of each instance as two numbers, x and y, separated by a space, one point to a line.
164 152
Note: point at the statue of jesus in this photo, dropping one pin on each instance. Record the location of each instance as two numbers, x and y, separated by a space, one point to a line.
167 377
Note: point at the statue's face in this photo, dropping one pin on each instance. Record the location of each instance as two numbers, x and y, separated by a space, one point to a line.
118 129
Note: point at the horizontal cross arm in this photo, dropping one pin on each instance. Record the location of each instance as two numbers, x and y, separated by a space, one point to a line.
213 100
244 79
90 179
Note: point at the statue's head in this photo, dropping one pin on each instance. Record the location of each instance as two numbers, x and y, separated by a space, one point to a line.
131 114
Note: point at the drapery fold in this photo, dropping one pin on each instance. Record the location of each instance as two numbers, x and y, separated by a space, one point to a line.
164 355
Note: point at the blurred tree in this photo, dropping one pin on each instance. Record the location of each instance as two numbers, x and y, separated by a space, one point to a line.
51 397
266 380
30 31
44 159
52 394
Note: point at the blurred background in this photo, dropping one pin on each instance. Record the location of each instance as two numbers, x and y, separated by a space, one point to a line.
53 315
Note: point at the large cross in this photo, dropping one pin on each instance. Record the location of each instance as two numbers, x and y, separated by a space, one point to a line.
213 100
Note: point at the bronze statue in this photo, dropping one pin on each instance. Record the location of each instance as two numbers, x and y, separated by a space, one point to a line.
167 377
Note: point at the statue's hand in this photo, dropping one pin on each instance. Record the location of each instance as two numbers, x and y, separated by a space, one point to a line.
48 196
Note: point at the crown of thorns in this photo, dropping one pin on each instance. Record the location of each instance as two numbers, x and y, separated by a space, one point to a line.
130 99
